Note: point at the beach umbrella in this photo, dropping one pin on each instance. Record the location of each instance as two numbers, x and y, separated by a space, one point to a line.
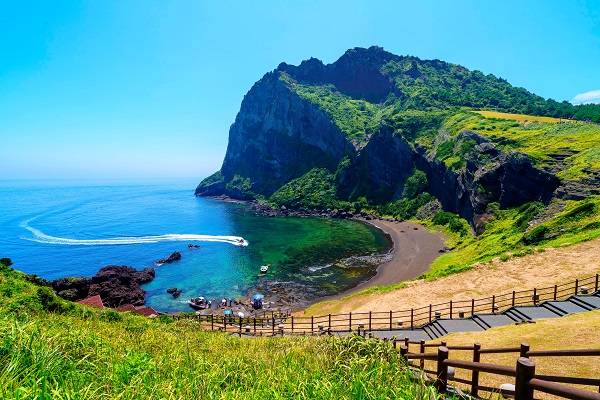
258 296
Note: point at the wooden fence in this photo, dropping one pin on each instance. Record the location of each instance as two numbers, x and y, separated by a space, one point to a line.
286 323
523 375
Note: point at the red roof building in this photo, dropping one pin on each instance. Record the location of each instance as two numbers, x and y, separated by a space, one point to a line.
146 311
126 307
94 301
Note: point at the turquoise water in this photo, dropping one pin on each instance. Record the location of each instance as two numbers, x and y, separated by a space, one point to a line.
68 229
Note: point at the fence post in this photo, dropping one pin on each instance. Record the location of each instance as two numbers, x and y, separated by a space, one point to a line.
370 321
525 372
412 317
224 323
513 298
555 291
430 313
273 324
312 323
494 304
292 324
472 307
422 351
450 309
350 320
240 326
596 285
329 323
576 285
254 325
441 383
475 373
212 324
403 352
390 320
534 296
524 350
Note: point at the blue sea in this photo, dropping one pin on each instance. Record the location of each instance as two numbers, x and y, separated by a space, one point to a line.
64 228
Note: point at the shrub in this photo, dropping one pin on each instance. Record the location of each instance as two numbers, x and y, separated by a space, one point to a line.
6 262
527 212
112 316
452 221
415 184
50 301
536 235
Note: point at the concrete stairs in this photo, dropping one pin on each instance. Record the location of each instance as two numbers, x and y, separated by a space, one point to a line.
480 322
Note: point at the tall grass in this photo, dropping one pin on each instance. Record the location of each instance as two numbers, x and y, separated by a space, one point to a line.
66 357
53 349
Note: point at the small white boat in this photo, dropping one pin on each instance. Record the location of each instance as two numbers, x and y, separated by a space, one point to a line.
264 269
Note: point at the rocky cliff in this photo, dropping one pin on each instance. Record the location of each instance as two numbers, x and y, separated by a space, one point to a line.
371 119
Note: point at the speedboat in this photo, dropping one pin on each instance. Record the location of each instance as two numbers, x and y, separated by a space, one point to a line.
198 303
264 269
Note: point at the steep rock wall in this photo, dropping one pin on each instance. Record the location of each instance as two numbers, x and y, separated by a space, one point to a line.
278 136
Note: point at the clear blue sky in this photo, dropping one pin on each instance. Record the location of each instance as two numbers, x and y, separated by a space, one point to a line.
139 89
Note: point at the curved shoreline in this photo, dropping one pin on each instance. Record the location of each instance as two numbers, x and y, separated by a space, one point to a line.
413 250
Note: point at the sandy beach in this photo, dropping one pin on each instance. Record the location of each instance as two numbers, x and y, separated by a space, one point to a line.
414 250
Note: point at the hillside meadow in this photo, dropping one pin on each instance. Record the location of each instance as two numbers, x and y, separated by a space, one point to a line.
53 349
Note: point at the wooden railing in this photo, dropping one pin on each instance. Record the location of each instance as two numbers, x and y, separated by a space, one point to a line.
526 381
286 323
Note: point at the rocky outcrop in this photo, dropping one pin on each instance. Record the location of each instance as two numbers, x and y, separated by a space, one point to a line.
116 285
379 170
175 256
508 179
174 292
357 73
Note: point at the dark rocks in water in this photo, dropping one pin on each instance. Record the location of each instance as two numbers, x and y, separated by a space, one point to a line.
174 292
193 246
175 256
116 285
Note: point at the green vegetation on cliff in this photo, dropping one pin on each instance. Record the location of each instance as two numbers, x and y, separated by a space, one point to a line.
314 190
53 349
570 148
515 232
356 118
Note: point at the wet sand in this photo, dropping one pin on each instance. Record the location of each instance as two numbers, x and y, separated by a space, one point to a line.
414 250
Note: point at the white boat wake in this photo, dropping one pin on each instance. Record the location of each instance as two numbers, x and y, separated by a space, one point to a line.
41 237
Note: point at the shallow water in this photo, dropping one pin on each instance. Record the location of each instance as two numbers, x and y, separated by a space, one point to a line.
72 229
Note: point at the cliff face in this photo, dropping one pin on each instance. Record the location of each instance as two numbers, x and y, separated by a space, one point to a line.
295 119
277 136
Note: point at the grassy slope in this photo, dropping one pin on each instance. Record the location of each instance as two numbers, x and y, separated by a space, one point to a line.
578 141
517 117
511 233
52 349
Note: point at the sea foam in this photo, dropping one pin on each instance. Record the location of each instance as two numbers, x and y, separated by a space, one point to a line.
41 237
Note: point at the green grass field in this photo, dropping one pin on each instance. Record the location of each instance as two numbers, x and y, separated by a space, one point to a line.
53 349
